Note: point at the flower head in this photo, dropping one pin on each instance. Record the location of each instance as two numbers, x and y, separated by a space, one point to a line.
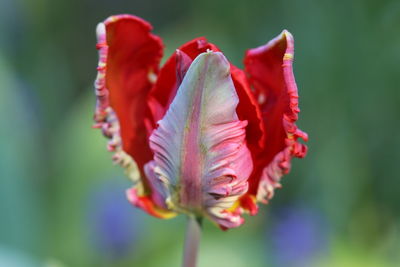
199 135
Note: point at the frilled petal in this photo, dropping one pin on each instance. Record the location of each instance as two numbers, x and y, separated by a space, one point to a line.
269 70
129 55
132 62
201 161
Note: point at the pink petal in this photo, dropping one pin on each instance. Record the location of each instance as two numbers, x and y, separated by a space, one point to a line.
201 161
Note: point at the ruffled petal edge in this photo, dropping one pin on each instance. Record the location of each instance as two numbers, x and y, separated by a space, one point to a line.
106 120
281 162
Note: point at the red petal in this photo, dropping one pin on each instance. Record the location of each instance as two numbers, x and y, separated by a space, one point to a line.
132 61
248 109
248 202
164 90
270 73
147 204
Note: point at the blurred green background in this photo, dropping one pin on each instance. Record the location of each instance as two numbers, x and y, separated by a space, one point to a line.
62 201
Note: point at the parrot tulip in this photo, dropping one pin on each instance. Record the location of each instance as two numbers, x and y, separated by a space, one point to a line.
198 135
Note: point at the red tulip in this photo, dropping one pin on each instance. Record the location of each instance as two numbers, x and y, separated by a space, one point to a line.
197 136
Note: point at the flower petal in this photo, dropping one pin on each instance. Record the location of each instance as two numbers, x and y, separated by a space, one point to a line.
128 62
201 161
248 109
270 73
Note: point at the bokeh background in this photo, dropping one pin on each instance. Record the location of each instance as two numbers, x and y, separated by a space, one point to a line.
62 201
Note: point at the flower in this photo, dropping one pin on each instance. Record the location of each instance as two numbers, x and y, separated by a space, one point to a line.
197 136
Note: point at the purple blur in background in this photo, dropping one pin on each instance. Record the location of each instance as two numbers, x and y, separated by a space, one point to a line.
297 236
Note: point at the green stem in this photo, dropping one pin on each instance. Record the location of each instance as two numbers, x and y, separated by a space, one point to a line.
193 233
